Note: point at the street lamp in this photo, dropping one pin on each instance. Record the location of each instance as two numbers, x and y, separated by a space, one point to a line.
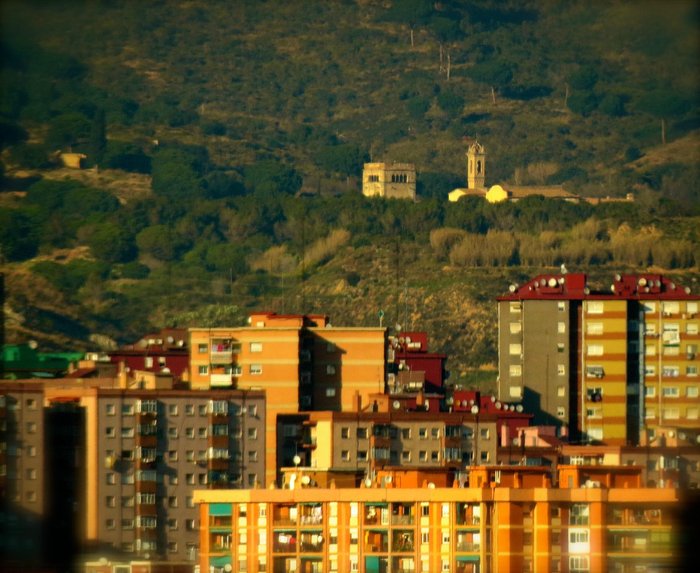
475 411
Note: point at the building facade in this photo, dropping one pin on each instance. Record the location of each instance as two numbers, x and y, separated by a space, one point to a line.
389 180
90 465
605 366
522 526
302 362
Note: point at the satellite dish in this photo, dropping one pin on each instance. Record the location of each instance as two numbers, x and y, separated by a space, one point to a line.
493 398
368 482
552 282
431 485
33 344
388 479
498 405
397 327
642 282
228 567
511 288
519 408
296 460
305 480
170 339
396 404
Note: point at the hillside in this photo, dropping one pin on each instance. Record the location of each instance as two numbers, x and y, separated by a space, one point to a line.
201 122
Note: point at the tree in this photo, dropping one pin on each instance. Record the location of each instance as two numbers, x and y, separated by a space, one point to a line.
495 73
445 30
111 243
174 175
161 242
18 237
410 12
270 177
98 138
346 158
663 104
68 130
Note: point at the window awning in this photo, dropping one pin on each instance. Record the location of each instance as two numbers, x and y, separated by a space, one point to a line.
219 509
220 561
468 559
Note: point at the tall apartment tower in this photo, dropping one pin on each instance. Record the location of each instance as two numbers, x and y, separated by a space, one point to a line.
476 166
605 366
301 362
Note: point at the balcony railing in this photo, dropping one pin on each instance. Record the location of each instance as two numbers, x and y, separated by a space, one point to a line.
468 547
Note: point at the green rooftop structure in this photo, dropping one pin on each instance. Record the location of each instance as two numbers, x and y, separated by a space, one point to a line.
20 361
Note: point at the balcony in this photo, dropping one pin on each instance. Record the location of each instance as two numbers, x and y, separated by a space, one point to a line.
285 542
376 542
402 541
468 547
219 380
311 542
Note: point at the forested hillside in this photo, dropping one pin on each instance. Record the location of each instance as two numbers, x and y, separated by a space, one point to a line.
224 142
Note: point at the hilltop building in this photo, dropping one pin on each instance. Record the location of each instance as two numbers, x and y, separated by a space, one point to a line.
389 180
613 366
476 183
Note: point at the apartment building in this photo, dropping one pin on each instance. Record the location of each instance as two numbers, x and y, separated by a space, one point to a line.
603 365
515 522
98 465
302 363
364 442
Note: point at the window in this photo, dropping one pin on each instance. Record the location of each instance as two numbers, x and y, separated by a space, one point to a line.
650 350
111 478
148 362
202 348
406 433
561 327
111 524
189 478
172 501
561 391
127 432
362 455
202 432
649 370
127 409
649 307
595 307
362 433
561 306
578 536
670 307
515 391
189 409
594 328
561 369
405 456
515 349
691 391
330 369
256 347
515 306
203 369
189 455
516 327
434 432
595 350
31 427
330 392
561 347
650 413
691 413
345 455
691 328
253 456
484 456
31 451
127 523
189 432
649 391
578 514
670 392
110 409
172 432
423 433
670 413
190 525
203 409
252 433
423 456
434 456
110 501
515 370
172 409
578 564
484 433
345 433
256 369
561 412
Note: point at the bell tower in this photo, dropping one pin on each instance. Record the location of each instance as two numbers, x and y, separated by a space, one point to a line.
476 166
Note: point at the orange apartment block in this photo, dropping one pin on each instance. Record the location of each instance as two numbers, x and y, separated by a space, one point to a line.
302 362
514 523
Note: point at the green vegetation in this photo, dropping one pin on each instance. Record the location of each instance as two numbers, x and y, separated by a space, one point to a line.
228 142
